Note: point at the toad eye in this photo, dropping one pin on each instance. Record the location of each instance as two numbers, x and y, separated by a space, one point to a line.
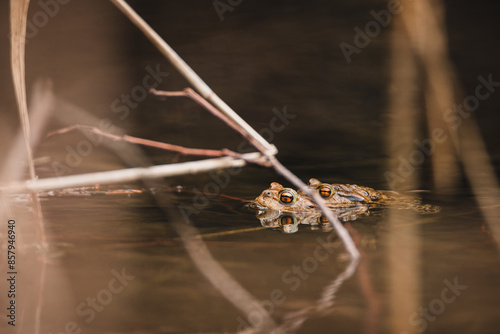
287 220
287 196
323 221
325 191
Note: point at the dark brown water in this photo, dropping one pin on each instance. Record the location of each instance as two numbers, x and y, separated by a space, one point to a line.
94 236
117 263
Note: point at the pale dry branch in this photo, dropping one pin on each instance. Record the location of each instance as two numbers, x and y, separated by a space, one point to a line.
341 230
260 143
18 21
205 91
343 234
129 174
18 14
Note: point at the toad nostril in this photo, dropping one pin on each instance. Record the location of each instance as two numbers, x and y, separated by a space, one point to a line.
268 194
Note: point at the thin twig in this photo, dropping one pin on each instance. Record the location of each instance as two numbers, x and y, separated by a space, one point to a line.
191 94
197 250
156 144
205 91
343 234
68 114
294 320
341 231
261 144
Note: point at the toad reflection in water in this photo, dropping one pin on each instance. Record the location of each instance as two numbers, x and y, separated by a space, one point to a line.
289 222
286 208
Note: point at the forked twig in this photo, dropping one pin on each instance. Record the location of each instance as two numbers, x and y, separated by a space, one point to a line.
260 143
268 150
343 234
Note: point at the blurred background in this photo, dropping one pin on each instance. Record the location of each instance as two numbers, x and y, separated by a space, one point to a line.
349 121
259 57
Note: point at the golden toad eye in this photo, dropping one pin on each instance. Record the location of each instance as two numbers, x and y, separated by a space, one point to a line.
287 220
325 191
323 221
287 197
